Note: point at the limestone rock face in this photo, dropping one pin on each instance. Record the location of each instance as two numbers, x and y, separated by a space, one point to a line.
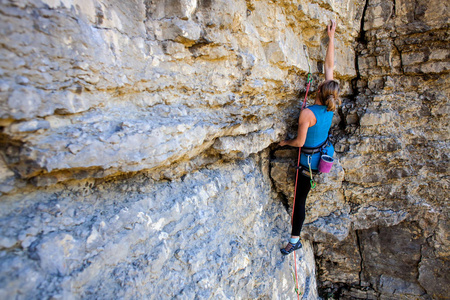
203 236
378 223
111 87
139 153
135 142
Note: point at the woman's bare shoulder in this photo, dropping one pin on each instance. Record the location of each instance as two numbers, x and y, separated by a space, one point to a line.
306 113
307 116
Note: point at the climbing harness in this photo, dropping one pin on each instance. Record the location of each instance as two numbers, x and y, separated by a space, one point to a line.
312 150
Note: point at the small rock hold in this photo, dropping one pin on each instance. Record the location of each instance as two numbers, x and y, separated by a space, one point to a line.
22 80
4 86
74 148
29 126
7 242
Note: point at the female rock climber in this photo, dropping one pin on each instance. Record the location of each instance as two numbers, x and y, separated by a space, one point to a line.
313 126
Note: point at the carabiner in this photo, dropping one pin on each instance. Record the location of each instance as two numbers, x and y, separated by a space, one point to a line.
313 184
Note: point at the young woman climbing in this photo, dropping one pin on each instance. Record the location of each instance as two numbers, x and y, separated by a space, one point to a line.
312 137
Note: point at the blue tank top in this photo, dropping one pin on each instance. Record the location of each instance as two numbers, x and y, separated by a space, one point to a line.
317 134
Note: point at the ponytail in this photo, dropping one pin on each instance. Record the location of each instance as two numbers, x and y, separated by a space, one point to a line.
330 102
329 94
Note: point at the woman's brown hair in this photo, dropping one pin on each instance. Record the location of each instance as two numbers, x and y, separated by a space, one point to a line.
329 94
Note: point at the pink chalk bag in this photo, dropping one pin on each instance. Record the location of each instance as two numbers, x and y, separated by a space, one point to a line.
325 163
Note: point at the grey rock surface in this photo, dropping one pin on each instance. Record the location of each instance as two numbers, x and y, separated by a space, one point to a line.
205 235
145 89
389 205
139 158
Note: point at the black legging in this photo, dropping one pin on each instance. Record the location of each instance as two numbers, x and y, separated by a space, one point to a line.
303 187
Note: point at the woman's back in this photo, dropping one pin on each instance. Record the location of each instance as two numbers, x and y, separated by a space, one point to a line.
318 133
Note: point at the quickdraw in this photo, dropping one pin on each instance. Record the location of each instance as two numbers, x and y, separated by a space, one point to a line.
313 184
297 291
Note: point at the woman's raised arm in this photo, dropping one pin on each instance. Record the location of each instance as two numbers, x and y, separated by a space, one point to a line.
329 58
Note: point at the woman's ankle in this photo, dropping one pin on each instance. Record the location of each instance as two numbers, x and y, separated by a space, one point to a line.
294 240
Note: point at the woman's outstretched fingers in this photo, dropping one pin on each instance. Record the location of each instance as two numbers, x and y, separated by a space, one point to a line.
331 28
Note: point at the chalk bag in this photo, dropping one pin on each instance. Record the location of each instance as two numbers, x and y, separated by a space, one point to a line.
325 164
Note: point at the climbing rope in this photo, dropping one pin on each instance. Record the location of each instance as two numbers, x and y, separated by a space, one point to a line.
292 220
297 291
308 78
308 81
308 84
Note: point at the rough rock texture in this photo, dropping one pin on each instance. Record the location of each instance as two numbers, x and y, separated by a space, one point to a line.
380 223
148 84
134 142
139 156
203 236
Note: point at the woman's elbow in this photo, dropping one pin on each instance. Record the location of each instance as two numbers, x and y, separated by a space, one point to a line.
297 143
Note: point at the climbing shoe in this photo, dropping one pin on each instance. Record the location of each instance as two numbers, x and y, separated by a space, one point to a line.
291 247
